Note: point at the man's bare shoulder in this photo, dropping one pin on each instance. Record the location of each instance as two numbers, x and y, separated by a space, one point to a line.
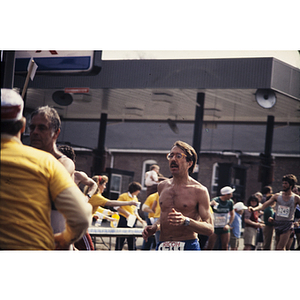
297 198
197 185
68 164
166 182
163 184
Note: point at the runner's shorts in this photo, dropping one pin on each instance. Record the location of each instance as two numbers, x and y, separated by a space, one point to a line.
178 245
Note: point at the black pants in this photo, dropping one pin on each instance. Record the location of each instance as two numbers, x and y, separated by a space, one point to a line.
121 240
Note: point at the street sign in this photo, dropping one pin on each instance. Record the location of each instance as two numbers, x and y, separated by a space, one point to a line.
59 61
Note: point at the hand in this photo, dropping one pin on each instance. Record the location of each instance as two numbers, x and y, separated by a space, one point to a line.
60 243
250 208
133 203
176 218
213 203
226 227
261 225
144 223
148 231
270 219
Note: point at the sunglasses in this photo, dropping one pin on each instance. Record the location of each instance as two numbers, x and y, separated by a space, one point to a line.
177 155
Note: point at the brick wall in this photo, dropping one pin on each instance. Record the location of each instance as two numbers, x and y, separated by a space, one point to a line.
134 162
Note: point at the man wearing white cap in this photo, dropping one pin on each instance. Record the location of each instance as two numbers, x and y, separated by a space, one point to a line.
30 180
236 226
223 208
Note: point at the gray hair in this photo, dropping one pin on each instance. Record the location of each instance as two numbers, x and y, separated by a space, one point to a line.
51 114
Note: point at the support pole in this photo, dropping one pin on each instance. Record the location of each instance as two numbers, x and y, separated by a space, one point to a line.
99 153
7 69
198 129
266 164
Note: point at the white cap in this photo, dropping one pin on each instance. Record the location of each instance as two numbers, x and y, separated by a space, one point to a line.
240 206
226 190
11 105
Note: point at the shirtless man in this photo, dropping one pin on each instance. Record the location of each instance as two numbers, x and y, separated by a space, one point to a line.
79 176
286 202
184 204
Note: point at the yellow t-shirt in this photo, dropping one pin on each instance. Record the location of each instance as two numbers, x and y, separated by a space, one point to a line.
30 179
149 202
97 200
128 208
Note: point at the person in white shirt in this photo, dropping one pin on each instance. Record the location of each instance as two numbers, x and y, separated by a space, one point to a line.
151 179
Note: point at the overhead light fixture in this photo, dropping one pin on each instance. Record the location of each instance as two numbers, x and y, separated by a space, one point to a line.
62 98
266 98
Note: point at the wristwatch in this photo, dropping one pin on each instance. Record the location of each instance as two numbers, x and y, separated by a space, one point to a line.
89 196
186 221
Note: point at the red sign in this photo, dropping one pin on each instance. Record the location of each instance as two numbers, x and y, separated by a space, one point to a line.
77 90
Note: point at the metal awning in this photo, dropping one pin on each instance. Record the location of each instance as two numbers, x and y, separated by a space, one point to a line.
158 90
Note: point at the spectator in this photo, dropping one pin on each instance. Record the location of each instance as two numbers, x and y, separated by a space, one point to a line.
236 227
260 235
97 199
127 214
151 179
267 191
152 215
268 230
30 181
251 224
223 218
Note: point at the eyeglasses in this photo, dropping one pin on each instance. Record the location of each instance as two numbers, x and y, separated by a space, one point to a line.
177 155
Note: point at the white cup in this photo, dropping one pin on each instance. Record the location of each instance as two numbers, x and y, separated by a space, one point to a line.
131 220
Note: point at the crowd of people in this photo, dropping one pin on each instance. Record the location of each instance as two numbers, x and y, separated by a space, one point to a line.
43 207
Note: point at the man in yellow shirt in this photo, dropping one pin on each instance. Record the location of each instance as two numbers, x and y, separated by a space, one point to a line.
30 181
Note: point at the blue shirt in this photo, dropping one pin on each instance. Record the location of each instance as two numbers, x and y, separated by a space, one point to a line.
237 225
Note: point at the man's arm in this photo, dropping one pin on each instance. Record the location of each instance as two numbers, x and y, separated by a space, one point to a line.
81 177
231 219
297 200
154 205
151 229
265 205
206 224
140 219
78 214
120 203
124 212
147 209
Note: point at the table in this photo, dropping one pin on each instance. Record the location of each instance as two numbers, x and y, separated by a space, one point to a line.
95 231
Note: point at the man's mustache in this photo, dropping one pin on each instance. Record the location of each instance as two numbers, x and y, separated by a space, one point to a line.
173 164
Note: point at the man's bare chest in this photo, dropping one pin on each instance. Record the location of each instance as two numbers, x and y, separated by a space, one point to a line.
179 199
